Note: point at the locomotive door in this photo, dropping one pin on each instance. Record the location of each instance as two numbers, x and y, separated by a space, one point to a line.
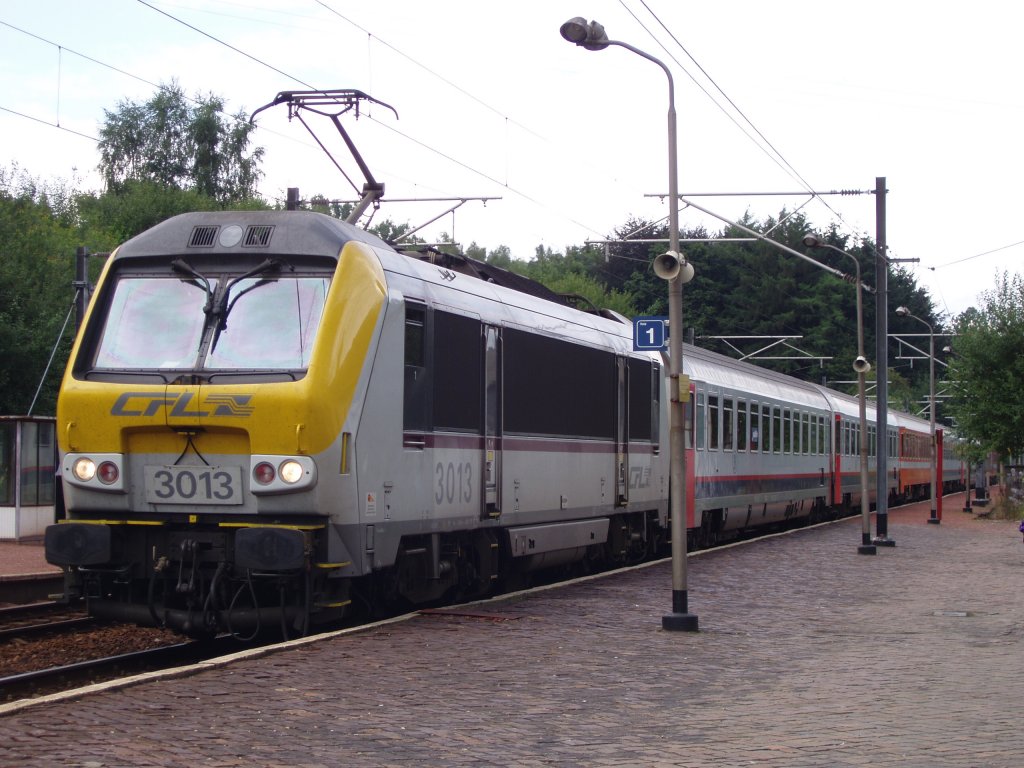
490 506
622 433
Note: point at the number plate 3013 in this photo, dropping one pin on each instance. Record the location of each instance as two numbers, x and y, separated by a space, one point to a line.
193 485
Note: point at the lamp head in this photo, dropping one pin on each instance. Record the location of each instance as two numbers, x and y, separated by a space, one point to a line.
578 32
811 240
861 364
902 311
574 30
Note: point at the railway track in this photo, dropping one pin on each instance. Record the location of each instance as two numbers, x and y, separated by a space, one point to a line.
78 674
37 618
30 588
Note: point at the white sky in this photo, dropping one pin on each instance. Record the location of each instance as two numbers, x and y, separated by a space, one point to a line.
492 102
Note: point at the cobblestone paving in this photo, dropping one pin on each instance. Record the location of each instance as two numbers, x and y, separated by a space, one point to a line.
808 654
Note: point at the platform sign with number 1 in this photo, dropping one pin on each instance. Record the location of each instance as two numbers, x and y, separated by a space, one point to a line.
650 334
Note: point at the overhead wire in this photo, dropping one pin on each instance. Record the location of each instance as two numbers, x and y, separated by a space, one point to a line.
777 158
774 155
977 255
391 128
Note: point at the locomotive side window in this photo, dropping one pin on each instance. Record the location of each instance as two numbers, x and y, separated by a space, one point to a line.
457 372
554 387
656 410
640 393
741 425
417 382
727 423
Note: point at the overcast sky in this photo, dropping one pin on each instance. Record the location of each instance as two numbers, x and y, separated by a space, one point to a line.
776 97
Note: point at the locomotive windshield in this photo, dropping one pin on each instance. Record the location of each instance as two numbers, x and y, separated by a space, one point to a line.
166 322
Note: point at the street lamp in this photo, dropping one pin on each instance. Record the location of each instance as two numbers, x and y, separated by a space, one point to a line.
904 312
673 267
861 366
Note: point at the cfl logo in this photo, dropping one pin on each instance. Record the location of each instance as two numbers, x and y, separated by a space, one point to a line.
149 404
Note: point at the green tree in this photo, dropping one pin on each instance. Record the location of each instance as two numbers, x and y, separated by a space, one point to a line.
137 205
988 366
180 142
39 234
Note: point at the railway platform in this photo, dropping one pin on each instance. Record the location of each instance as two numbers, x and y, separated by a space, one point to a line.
25 576
808 654
18 560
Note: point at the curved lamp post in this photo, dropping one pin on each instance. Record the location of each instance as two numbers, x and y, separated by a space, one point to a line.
674 268
904 312
861 366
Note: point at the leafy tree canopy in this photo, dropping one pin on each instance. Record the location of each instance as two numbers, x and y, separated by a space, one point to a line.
988 366
180 142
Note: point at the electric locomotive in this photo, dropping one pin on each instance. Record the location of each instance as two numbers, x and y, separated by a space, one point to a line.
271 419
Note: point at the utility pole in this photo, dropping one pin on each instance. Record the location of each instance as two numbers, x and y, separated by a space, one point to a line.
882 368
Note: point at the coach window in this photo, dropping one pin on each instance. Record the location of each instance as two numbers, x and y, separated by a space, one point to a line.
727 424
417 379
687 425
776 429
766 428
812 430
806 433
787 431
822 434
741 425
713 422
755 427
699 422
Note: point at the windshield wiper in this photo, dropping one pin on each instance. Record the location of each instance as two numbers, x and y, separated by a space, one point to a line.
226 303
180 265
270 265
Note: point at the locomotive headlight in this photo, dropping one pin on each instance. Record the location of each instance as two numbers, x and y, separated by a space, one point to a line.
95 471
84 469
291 472
282 474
